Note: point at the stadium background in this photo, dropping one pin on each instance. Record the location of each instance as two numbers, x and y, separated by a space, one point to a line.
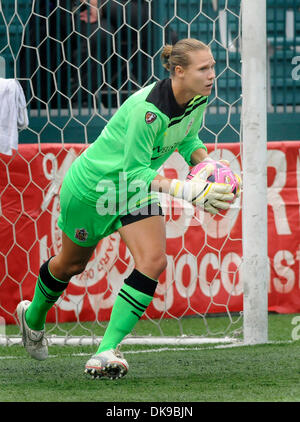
64 116
283 32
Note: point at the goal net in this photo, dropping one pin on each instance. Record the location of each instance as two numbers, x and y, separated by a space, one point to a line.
76 65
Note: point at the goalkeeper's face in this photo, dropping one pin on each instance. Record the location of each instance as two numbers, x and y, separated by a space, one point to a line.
198 77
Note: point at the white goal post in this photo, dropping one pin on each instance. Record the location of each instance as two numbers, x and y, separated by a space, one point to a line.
254 271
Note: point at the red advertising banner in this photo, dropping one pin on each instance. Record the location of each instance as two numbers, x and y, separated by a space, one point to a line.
204 252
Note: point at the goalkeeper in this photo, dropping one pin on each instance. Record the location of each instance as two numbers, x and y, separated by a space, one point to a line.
113 186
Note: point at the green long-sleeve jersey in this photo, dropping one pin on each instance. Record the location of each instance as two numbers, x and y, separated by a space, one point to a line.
137 140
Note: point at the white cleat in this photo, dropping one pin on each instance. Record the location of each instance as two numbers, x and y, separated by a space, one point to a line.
34 341
110 364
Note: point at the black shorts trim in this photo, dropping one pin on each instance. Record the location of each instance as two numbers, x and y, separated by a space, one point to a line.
149 210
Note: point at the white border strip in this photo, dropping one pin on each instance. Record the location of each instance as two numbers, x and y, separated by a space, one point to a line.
91 341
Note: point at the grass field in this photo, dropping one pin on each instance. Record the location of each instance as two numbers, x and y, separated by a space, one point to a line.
260 373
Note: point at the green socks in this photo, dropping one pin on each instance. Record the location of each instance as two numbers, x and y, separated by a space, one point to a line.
130 304
47 290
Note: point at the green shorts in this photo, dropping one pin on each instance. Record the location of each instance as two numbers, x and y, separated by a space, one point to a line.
85 227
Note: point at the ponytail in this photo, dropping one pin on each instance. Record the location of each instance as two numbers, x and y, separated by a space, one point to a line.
177 54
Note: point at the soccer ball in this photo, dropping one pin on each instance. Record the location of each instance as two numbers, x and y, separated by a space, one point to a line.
221 174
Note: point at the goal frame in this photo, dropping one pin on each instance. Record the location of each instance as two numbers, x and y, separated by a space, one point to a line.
254 268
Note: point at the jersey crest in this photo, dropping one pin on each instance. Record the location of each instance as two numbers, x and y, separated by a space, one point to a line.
150 117
81 234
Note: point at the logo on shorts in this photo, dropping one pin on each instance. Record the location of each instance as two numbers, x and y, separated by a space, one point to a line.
81 234
150 117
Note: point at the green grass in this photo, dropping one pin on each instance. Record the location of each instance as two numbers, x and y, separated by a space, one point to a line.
260 373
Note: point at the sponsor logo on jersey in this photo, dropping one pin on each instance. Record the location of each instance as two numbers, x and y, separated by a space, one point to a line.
150 117
164 150
81 234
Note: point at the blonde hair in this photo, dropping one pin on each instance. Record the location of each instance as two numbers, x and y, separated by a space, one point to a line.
177 54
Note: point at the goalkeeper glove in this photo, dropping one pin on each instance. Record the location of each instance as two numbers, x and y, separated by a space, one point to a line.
210 196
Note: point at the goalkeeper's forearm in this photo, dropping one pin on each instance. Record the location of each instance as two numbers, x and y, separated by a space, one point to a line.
161 184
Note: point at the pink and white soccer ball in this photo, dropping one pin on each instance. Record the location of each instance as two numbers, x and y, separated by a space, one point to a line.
221 174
